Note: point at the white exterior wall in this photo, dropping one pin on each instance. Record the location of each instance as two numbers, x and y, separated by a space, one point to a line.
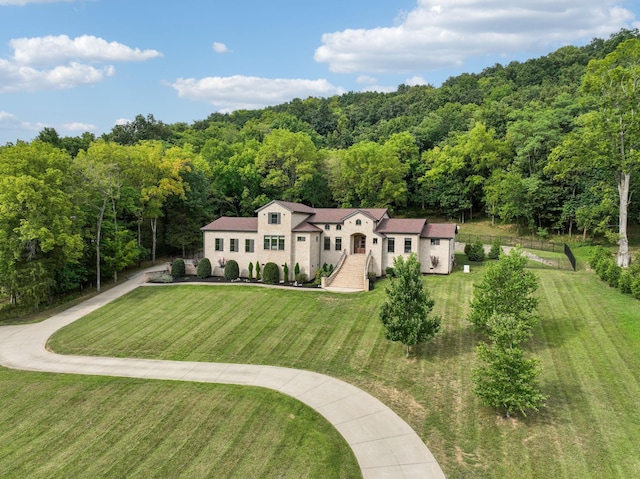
389 257
443 251
243 258
306 253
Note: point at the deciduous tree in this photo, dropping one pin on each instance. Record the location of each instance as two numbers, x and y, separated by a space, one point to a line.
407 312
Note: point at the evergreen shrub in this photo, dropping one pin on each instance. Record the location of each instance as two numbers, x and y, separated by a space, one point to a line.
231 270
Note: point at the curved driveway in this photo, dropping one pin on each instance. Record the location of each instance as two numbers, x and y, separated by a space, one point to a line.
384 445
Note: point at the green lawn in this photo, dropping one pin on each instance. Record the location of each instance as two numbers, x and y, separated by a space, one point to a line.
588 341
64 426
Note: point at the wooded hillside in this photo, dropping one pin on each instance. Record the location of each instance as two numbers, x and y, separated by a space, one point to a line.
524 143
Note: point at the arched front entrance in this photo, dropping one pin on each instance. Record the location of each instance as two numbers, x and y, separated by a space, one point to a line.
359 244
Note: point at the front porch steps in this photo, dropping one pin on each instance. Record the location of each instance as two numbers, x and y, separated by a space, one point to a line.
351 277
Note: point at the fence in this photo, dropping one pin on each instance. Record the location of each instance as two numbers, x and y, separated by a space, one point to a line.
530 243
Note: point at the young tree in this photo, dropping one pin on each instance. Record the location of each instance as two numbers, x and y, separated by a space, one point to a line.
406 313
507 288
507 380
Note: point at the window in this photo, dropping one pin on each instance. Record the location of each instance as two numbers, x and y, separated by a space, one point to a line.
391 245
327 243
375 240
248 245
407 245
358 222
338 227
338 244
301 238
327 227
234 245
274 242
274 218
219 244
435 242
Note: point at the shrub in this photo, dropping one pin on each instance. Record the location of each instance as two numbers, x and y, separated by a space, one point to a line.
602 267
296 271
285 271
496 249
330 269
204 268
178 268
258 270
612 274
467 249
320 273
598 254
231 270
389 271
625 281
160 278
271 273
635 287
250 270
476 253
301 278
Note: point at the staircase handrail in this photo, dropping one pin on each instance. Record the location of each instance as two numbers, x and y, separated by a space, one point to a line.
366 269
329 279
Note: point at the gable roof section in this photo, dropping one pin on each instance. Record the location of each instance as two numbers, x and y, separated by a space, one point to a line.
232 223
305 227
338 215
439 230
293 207
401 226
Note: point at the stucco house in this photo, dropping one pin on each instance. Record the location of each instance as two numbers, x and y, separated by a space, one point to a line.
361 240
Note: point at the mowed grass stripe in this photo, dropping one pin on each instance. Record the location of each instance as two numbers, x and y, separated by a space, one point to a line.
84 427
588 342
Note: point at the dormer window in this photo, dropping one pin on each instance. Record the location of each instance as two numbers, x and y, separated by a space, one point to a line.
338 227
327 227
358 222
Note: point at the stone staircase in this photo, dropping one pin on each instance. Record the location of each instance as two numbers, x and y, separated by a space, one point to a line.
351 275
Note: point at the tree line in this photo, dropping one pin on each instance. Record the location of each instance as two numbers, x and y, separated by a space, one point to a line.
537 143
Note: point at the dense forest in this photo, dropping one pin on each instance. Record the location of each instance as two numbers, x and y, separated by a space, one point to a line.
519 143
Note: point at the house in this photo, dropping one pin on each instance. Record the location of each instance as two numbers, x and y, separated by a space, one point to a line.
366 239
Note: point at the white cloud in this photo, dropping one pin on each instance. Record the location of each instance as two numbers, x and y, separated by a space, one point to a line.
60 62
366 80
52 50
77 127
244 92
416 80
122 121
9 121
219 47
439 34
14 78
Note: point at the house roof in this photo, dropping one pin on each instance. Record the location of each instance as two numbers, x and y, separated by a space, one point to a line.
439 230
402 226
293 207
227 223
305 227
338 215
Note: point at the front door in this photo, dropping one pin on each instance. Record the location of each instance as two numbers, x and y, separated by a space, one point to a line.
359 244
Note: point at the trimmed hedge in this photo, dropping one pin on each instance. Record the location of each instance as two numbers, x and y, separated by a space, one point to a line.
204 268
178 268
271 273
231 270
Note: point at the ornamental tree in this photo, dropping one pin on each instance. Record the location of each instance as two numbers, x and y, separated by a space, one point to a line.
406 313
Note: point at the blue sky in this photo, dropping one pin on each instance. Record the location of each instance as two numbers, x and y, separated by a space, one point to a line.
84 65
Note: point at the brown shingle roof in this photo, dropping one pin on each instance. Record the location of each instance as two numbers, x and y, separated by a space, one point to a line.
401 225
232 223
293 207
439 230
305 227
337 215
